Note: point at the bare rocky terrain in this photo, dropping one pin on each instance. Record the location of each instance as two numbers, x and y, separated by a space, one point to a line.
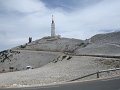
55 60
102 44
54 45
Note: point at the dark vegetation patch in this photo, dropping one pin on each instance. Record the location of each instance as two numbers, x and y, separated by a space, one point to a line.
69 57
63 57
7 55
23 46
82 45
109 62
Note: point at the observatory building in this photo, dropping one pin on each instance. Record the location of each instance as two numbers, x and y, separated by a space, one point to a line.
53 35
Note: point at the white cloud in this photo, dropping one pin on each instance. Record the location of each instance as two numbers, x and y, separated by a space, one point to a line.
94 19
20 19
24 6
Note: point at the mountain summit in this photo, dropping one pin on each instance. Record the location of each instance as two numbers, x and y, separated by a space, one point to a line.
48 60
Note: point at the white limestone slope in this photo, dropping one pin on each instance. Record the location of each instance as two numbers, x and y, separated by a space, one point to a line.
97 49
37 53
102 44
51 65
57 45
19 61
60 71
113 37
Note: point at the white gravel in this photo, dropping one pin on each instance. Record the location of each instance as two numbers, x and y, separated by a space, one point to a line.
52 73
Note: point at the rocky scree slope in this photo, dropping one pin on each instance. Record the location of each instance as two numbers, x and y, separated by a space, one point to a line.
102 44
37 53
54 45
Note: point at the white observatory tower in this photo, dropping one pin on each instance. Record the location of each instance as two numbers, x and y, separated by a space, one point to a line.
53 28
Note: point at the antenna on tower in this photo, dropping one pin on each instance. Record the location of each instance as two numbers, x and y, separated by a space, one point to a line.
52 16
52 19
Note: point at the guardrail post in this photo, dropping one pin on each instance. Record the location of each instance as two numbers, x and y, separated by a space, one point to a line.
98 75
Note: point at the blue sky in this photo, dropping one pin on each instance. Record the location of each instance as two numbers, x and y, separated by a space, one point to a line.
20 19
69 5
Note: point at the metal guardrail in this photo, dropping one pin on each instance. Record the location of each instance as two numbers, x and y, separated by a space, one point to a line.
97 73
104 56
93 55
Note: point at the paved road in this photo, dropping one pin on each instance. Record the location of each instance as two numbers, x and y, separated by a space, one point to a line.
106 84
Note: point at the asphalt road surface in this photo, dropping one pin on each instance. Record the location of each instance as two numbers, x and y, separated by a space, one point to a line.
104 84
